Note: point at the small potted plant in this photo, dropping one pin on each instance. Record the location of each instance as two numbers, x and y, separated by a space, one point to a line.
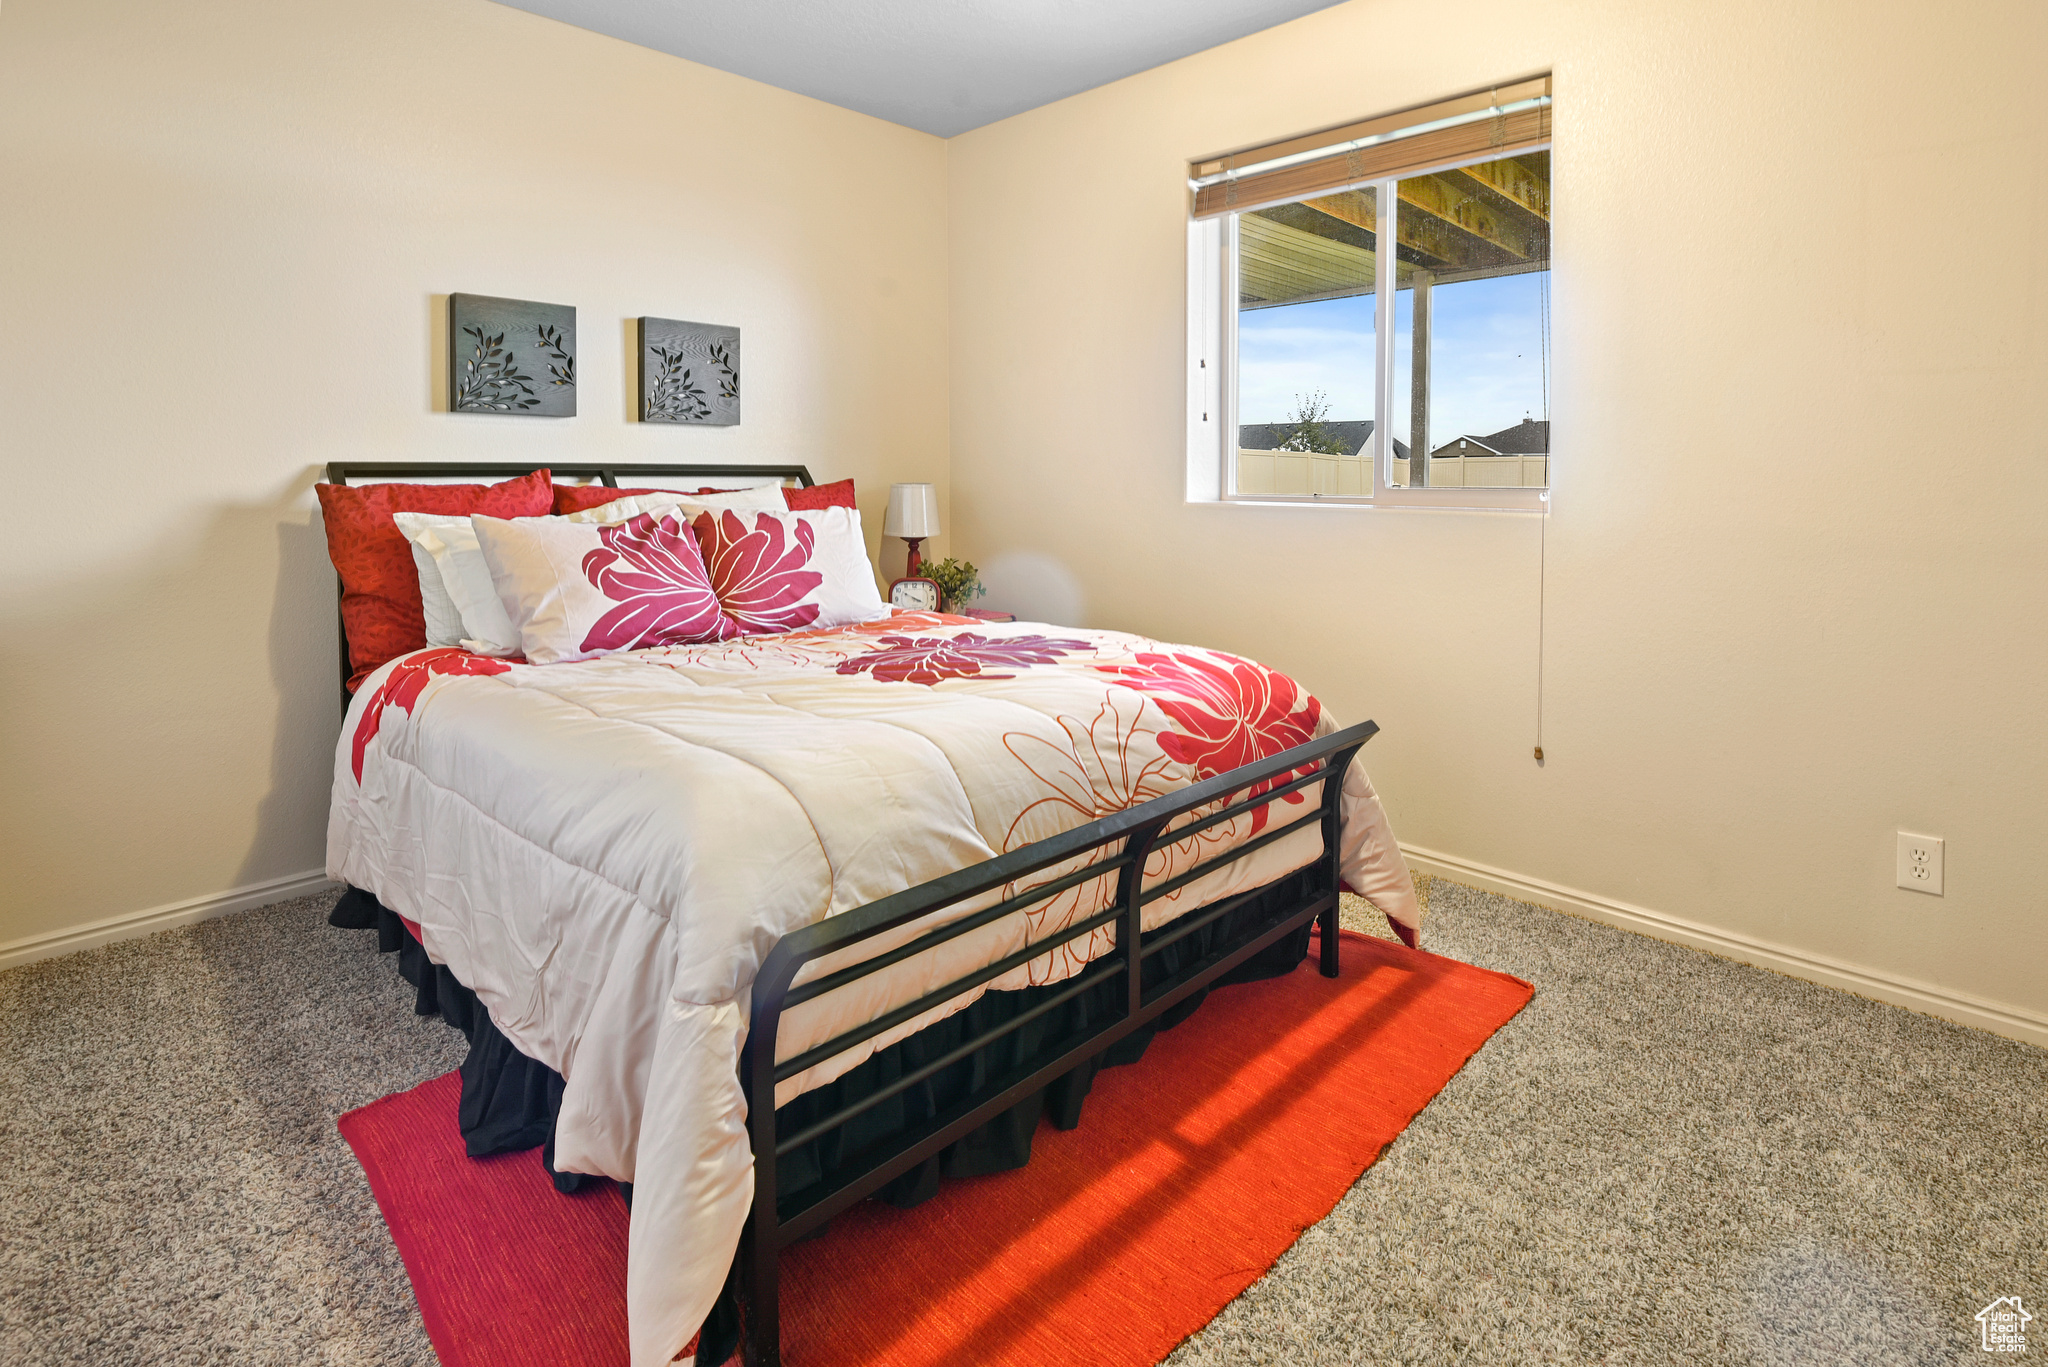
959 582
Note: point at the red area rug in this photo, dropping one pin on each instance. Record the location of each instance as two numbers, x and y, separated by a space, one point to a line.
1192 1171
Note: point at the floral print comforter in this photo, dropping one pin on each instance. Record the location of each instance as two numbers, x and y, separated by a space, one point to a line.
606 850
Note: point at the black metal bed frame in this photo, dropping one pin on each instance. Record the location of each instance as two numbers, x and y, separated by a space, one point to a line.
1125 840
1118 845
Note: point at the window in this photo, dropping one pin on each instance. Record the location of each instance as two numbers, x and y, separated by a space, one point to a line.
1310 380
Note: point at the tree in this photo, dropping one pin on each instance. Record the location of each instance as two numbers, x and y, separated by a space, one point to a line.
1310 432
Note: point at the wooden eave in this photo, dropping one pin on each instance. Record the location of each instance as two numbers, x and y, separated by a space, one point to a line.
1468 223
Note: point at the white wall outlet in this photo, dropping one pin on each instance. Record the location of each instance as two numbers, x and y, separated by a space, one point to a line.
1920 862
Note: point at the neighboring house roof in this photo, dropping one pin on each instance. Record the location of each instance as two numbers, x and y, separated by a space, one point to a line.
1267 436
1529 437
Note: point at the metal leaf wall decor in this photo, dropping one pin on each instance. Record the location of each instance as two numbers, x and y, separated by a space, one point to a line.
511 356
689 372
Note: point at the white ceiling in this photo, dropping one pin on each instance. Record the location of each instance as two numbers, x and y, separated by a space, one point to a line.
944 66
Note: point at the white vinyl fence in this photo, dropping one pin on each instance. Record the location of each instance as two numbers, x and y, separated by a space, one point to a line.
1299 472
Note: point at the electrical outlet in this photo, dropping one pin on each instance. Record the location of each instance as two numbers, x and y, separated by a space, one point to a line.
1920 862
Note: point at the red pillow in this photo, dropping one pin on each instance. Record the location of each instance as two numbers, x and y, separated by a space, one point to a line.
380 583
839 495
577 498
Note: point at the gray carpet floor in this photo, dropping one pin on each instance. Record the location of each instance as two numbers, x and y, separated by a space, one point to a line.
1665 1158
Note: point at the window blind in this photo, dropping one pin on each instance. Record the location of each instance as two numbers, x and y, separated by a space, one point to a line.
1496 122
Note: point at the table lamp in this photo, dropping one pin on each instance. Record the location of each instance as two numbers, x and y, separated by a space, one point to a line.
914 516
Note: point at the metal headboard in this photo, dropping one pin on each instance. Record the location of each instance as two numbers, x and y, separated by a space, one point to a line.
402 471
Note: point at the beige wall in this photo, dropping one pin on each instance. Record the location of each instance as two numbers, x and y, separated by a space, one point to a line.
226 228
1761 660
226 231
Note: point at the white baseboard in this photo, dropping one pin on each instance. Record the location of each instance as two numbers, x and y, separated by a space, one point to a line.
130 925
1999 1018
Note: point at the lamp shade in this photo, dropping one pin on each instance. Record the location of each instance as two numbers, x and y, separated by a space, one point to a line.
913 511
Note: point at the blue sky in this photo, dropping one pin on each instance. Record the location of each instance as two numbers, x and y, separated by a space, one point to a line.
1487 372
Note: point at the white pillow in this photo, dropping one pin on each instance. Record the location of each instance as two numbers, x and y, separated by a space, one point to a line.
444 619
451 543
768 496
788 571
575 590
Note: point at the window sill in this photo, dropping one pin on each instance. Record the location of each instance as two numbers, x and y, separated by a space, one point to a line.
1525 501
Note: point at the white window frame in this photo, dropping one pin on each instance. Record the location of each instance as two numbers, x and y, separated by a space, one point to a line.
1212 389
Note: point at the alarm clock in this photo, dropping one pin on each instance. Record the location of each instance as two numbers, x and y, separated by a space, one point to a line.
916 595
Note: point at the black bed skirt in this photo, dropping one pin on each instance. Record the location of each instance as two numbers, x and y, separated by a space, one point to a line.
510 1101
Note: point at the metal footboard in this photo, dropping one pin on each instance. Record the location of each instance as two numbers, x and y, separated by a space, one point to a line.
1124 841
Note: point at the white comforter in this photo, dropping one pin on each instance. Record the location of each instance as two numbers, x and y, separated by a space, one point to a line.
605 852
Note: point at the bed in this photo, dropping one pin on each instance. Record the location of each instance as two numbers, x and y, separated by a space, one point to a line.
792 916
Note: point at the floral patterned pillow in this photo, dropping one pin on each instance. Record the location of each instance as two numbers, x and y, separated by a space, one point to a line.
575 590
790 570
